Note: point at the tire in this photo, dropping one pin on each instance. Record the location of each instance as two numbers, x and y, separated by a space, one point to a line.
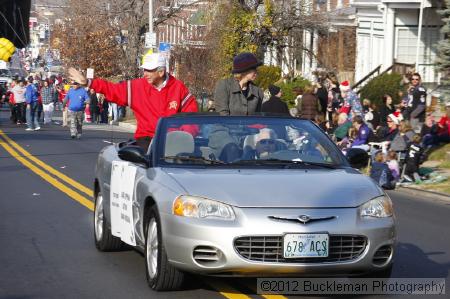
161 275
104 240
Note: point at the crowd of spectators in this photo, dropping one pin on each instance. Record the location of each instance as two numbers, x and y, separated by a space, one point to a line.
398 136
33 100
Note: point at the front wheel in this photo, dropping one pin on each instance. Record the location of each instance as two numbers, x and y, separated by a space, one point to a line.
161 275
104 240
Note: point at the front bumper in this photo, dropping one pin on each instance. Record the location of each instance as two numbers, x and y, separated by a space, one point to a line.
215 238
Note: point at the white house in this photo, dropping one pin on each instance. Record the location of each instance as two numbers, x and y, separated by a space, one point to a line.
400 31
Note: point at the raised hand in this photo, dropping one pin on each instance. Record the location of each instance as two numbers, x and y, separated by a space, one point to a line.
77 76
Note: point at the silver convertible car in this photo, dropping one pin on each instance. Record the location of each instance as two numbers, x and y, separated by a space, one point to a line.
242 196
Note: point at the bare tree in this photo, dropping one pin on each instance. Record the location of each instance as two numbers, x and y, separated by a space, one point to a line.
122 21
86 41
262 25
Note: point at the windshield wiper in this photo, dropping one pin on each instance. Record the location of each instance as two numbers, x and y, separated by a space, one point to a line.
286 163
193 158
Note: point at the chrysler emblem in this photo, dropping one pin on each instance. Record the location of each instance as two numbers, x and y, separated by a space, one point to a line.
303 218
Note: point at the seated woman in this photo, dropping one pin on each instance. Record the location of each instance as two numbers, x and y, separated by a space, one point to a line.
261 145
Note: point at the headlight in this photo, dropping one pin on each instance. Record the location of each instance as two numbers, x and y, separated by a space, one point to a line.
379 207
198 207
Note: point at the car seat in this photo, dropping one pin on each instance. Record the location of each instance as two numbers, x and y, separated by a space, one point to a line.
179 142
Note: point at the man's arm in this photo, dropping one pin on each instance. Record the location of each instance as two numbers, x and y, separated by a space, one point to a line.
119 93
189 104
419 109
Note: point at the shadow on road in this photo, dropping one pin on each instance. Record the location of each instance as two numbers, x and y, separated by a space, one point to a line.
411 261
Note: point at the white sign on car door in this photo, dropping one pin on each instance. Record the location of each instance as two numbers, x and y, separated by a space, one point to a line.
123 176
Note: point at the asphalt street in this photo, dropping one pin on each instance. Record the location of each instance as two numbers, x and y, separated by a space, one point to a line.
46 237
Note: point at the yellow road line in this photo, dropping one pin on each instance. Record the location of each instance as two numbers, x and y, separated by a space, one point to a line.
51 180
226 290
8 144
267 296
274 296
58 174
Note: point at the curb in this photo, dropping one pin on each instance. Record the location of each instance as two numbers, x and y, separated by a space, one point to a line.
424 193
128 126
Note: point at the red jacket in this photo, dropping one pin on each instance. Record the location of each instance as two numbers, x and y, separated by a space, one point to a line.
147 102
444 126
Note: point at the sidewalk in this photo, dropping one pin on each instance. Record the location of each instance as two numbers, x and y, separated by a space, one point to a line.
119 127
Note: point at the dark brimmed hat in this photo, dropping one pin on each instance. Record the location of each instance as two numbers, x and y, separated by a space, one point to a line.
244 62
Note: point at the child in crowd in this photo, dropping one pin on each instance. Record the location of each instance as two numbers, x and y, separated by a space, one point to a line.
414 157
392 163
381 173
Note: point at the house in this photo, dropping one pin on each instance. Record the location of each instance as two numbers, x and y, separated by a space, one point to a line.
397 31
186 27
333 51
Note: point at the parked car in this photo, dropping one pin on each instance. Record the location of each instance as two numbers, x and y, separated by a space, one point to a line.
5 76
242 196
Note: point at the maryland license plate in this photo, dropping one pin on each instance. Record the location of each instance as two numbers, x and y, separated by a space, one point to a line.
305 245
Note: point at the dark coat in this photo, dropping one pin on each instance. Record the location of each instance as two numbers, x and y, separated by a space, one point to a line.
414 157
382 175
93 105
275 105
230 100
309 106
384 113
419 95
322 95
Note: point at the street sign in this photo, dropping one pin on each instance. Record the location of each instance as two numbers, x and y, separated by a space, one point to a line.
164 47
150 39
90 73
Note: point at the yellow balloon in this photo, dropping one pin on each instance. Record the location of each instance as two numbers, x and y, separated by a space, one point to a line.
4 55
6 49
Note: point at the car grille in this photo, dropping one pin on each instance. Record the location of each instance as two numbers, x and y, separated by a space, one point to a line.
382 255
205 254
270 249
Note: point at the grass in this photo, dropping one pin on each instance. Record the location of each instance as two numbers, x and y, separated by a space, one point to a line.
440 154
445 164
443 187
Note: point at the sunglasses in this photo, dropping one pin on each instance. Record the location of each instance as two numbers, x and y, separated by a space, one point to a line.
390 121
267 141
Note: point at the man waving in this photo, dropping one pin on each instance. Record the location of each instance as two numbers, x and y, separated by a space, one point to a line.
156 95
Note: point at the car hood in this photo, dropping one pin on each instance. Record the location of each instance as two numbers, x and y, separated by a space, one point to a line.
309 188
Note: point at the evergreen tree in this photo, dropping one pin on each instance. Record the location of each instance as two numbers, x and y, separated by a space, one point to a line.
443 60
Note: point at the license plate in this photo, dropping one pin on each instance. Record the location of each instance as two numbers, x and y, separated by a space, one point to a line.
305 245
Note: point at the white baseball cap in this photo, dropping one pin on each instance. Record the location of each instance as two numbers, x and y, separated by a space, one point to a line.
152 61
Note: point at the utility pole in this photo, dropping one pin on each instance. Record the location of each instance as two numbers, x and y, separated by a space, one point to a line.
419 35
150 36
150 16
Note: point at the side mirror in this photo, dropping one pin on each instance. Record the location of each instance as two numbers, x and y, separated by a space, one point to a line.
357 157
135 154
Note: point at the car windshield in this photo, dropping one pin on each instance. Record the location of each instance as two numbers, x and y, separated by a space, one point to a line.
221 141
